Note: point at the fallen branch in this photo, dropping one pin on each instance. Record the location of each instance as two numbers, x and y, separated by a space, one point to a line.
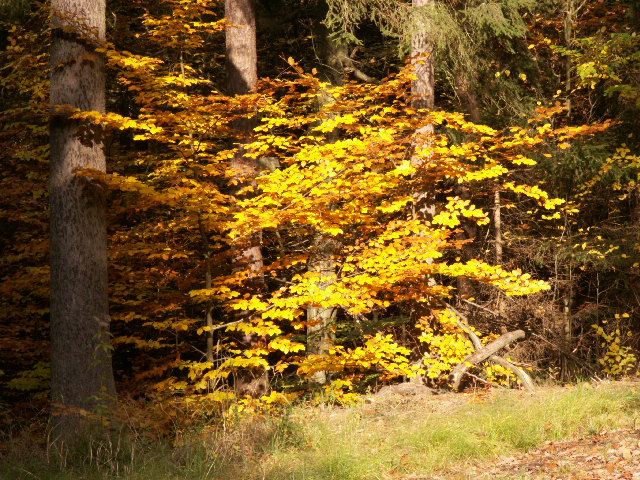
483 354
533 334
487 352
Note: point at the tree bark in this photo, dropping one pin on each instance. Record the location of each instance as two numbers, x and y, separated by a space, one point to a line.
81 370
208 314
423 96
470 102
242 54
423 61
242 76
321 320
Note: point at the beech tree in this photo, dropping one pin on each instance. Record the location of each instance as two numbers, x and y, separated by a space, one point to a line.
242 76
310 269
81 372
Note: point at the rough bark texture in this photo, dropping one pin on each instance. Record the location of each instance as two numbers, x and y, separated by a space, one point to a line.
242 63
467 95
423 96
81 371
242 76
423 60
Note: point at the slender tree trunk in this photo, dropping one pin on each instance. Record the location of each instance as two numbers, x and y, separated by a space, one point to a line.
466 288
208 314
423 96
423 60
81 371
497 241
321 320
571 11
471 104
242 76
569 19
567 301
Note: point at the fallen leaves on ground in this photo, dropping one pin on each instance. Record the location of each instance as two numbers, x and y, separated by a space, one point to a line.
613 455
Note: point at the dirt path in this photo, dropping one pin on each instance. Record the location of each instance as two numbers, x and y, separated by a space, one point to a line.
611 455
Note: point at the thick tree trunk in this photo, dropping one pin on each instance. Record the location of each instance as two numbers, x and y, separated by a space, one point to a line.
242 76
242 55
81 371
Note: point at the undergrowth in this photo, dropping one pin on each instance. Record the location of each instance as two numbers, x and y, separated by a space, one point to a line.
377 439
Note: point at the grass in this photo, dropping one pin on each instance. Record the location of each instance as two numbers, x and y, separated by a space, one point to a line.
372 441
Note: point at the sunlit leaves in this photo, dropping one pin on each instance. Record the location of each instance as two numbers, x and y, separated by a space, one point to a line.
350 171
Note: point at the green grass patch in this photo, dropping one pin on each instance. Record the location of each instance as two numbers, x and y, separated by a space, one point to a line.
372 441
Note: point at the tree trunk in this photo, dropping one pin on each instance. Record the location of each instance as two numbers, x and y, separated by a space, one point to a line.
568 41
208 314
468 232
81 371
423 60
422 97
242 55
498 242
321 320
471 104
242 76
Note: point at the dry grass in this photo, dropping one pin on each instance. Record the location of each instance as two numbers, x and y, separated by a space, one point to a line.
386 438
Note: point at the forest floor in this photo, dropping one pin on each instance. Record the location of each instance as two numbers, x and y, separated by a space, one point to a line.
589 431
605 456
609 454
